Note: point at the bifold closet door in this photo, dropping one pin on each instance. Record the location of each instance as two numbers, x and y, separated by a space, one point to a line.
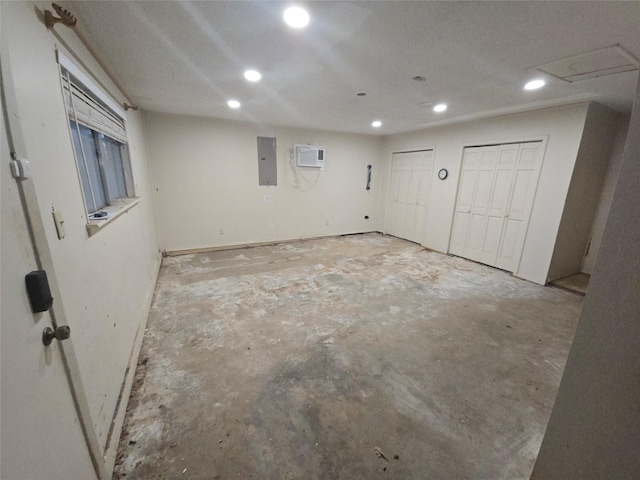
523 191
410 187
497 183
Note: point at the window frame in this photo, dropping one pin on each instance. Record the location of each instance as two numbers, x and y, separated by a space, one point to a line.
104 143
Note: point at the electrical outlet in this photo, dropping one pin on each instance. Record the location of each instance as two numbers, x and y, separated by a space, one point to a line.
266 199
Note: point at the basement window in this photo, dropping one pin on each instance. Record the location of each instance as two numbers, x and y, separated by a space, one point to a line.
101 167
100 146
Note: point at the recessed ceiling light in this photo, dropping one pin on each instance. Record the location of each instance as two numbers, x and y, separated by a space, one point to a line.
252 75
376 124
296 17
441 107
534 84
233 104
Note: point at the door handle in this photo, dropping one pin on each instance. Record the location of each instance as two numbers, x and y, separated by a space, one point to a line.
60 333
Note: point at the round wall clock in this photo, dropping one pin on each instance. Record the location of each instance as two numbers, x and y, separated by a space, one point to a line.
443 173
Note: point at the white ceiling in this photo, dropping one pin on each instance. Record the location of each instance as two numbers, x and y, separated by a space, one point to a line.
189 57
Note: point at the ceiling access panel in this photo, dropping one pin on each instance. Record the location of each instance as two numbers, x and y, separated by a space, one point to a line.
596 63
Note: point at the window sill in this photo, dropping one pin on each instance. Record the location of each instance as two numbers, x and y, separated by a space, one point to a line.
113 211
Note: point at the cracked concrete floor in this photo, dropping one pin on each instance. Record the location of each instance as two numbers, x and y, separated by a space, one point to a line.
298 360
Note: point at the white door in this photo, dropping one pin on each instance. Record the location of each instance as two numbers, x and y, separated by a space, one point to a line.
523 191
472 219
498 203
466 190
496 183
478 218
410 188
41 436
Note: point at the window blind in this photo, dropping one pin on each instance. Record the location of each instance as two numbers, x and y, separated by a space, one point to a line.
93 106
89 111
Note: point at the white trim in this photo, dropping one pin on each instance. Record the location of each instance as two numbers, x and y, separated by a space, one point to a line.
121 206
86 80
504 141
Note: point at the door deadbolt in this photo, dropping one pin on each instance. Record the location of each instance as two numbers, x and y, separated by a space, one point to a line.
60 333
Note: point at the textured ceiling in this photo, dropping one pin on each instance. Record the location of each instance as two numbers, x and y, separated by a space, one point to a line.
189 57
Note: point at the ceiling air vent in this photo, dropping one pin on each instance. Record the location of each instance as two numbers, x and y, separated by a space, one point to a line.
593 64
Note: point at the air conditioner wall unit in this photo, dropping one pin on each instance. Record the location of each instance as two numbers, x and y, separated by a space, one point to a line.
309 156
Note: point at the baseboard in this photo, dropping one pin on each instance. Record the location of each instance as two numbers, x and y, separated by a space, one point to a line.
113 440
175 253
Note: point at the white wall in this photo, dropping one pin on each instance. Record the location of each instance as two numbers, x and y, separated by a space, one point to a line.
584 192
606 196
562 125
106 281
205 177
594 430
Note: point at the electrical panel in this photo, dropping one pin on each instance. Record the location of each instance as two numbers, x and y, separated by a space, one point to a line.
267 162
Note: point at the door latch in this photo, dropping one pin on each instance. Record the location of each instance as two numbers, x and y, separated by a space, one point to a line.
60 333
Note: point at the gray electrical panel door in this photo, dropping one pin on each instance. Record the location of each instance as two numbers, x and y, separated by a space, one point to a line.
267 164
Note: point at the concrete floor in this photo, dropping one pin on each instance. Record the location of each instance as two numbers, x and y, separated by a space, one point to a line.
578 283
309 360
